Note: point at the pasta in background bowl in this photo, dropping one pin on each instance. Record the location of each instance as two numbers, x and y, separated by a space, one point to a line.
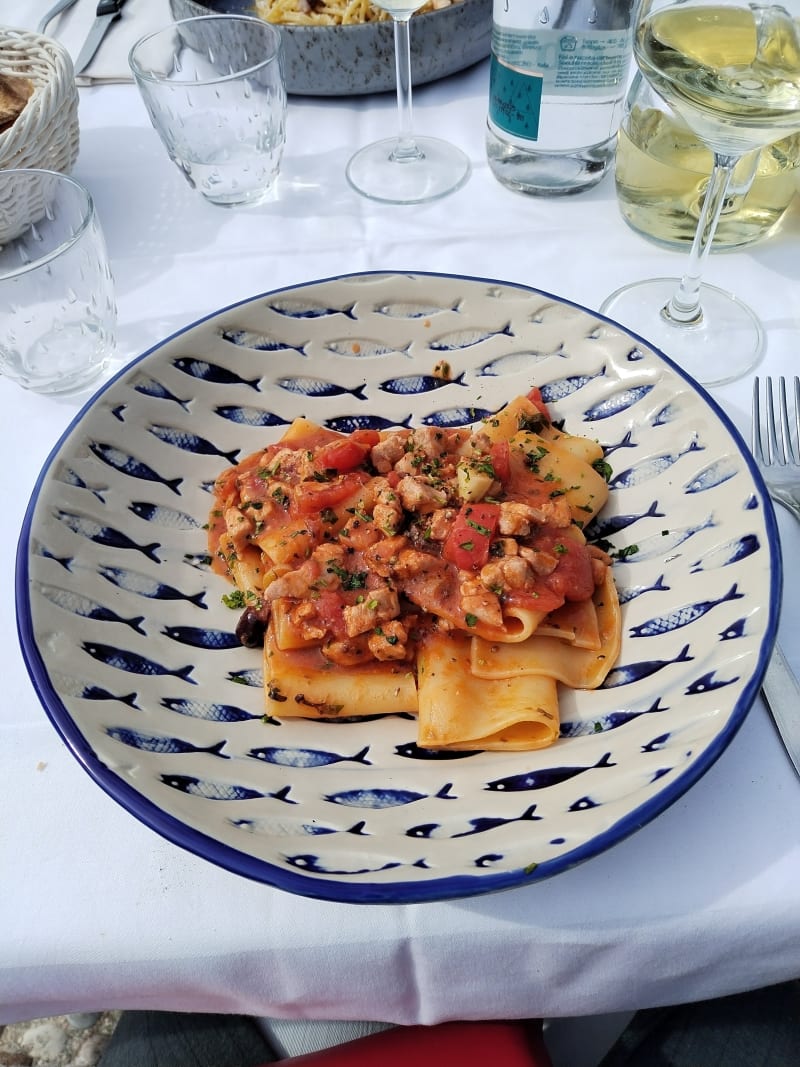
132 651
353 60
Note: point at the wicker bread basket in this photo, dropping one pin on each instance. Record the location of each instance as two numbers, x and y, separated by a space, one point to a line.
46 134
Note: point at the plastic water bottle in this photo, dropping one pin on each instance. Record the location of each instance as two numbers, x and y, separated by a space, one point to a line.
558 77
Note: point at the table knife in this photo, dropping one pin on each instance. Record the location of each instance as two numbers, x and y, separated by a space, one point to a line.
107 11
781 691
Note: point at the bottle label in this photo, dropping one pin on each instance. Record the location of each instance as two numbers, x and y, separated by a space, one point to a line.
584 54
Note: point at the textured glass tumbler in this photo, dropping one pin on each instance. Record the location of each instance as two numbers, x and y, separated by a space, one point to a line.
215 92
58 312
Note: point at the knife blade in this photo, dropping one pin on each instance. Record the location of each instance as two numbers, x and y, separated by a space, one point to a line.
781 691
107 11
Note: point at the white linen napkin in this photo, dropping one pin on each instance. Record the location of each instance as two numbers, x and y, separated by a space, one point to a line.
110 63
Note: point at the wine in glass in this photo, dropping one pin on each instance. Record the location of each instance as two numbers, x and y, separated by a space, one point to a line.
731 70
406 169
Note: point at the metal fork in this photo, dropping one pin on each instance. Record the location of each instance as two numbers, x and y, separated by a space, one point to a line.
776 448
56 9
776 442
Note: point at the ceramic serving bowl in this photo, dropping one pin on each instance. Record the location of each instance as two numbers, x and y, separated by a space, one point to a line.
355 60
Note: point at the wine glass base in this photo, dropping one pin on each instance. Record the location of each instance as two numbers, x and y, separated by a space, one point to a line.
723 345
383 171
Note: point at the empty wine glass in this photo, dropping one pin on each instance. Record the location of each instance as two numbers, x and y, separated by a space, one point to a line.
731 70
406 169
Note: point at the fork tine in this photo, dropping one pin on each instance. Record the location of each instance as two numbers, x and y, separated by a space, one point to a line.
790 439
794 439
775 440
756 443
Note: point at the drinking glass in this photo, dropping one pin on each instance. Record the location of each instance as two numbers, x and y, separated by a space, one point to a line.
56 293
406 169
731 70
214 89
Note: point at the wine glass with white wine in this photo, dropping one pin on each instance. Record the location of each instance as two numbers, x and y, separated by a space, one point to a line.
731 70
406 169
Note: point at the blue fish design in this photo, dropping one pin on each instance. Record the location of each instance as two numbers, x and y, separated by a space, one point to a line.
651 468
413 384
351 423
411 750
684 616
201 561
208 710
315 387
602 528
159 745
611 721
707 683
259 342
105 535
253 677
134 468
294 309
451 417
362 348
70 477
268 826
133 663
616 403
635 355
211 790
660 545
151 387
657 743
583 804
63 561
634 672
666 415
213 373
160 515
191 442
308 862
143 585
544 778
459 340
249 416
75 688
563 387
626 441
87 608
477 826
516 362
384 798
735 630
721 471
306 757
627 595
730 552
199 637
411 310
489 859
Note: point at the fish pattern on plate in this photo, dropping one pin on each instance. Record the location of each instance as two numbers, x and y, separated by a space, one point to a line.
131 646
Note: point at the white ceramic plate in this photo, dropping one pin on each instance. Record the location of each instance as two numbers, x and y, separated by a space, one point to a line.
129 644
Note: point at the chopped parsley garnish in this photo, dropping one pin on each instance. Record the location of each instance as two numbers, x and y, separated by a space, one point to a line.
603 468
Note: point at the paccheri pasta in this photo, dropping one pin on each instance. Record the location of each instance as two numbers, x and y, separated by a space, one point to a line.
437 570
330 12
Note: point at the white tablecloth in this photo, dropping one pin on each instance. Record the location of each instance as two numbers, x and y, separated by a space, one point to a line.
99 912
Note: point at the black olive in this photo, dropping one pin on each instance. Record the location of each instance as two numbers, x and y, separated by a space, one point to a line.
252 626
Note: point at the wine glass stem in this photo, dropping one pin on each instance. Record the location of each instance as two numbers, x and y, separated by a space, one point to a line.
406 148
684 307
